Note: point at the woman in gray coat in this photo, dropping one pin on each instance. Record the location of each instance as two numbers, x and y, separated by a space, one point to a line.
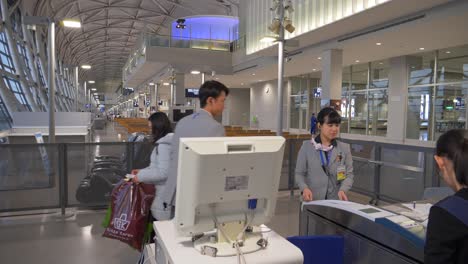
324 168
158 169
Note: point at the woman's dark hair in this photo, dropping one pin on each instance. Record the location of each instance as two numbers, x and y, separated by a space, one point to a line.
160 126
211 89
328 115
454 146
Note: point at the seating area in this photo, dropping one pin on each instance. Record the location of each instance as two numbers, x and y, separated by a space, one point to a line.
141 125
134 124
237 131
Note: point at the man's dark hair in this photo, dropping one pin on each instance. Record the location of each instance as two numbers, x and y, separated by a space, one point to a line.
211 89
328 115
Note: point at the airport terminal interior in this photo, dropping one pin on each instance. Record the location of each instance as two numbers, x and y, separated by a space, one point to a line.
80 78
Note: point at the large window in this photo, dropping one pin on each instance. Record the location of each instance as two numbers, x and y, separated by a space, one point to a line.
437 92
6 61
364 99
5 119
15 87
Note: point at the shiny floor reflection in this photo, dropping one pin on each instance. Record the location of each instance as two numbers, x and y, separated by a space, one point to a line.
78 239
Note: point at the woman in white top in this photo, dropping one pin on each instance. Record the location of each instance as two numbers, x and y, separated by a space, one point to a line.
156 173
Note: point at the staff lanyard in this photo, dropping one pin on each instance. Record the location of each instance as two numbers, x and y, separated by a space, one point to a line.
327 158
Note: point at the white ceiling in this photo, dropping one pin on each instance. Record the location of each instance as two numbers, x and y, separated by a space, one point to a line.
110 29
443 26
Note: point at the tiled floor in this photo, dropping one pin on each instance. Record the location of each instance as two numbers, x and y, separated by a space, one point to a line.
112 132
77 239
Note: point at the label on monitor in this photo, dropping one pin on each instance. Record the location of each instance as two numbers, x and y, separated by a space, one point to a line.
236 183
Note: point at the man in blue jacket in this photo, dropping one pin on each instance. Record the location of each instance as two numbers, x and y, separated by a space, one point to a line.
313 124
212 95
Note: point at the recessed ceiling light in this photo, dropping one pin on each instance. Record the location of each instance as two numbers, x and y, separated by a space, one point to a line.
421 49
448 52
86 67
93 89
319 58
91 81
216 78
166 84
381 63
378 44
356 60
314 69
195 72
71 23
151 83
253 74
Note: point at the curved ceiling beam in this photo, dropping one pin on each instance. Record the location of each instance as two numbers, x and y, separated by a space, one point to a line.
112 7
79 56
96 43
61 46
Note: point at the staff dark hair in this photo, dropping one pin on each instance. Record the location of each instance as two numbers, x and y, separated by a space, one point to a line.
211 89
160 126
454 146
328 115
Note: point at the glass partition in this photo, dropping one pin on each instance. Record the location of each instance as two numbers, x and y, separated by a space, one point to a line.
436 104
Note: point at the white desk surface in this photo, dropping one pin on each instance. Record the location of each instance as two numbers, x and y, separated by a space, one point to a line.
180 249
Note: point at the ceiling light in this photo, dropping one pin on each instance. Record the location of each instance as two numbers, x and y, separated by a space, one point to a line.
242 83
356 60
93 89
195 72
381 63
71 23
253 74
216 78
314 69
448 52
151 83
166 84
421 48
91 81
86 67
378 44
319 58
268 39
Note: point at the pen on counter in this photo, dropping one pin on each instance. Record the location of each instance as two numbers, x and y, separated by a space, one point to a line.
414 205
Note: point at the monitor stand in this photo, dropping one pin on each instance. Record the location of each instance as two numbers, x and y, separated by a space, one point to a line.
218 246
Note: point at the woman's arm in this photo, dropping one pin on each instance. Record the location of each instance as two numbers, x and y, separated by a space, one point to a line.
159 167
301 168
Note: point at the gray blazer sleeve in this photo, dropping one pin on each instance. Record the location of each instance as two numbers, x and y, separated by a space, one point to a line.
301 168
348 182
159 167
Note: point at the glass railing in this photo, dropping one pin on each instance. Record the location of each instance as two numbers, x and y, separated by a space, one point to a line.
152 40
34 176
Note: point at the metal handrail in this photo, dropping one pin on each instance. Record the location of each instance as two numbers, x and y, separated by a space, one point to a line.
61 160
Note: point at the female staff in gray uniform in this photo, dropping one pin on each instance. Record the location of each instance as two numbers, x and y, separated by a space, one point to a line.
324 168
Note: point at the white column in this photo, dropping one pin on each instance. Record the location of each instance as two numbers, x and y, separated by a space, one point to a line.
332 76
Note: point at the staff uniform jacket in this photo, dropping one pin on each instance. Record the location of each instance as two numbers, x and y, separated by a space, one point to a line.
310 174
199 124
156 173
447 236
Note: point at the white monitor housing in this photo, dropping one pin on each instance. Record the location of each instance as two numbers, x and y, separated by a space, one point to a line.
219 177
